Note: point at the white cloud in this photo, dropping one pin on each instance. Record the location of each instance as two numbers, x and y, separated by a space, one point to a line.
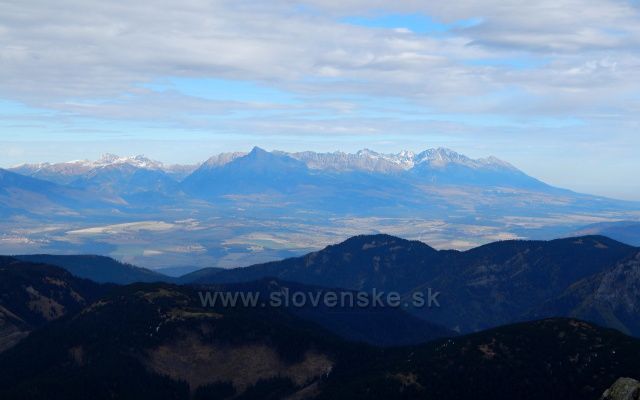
56 52
565 70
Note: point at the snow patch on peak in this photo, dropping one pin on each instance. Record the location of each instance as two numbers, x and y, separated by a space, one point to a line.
107 158
139 161
222 159
78 168
495 162
368 153
372 161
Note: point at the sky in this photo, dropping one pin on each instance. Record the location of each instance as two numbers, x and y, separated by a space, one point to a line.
552 86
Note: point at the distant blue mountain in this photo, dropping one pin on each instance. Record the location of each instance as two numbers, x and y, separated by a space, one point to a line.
137 186
623 231
258 171
391 184
487 175
279 171
136 181
97 268
23 195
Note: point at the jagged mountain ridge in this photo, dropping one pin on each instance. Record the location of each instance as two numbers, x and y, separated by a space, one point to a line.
369 160
305 175
365 160
138 175
297 182
439 164
68 172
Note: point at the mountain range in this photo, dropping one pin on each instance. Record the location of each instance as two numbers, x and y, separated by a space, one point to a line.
364 160
34 293
514 318
624 231
157 341
31 295
238 209
439 165
66 335
485 287
592 278
68 172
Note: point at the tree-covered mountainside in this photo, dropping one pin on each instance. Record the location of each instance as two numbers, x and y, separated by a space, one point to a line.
149 341
32 295
492 285
97 268
610 298
623 231
380 326
547 359
591 277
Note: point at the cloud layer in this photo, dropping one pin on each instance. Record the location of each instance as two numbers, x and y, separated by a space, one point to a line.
493 73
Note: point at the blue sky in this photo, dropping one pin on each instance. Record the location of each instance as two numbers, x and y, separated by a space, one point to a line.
550 86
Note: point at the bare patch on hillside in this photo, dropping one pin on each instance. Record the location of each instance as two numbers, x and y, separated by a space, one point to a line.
77 355
10 334
408 380
199 364
45 306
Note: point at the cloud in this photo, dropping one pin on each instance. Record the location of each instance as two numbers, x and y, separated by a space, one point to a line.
484 74
72 50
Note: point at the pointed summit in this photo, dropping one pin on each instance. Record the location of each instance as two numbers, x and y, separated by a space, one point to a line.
258 150
259 153
257 171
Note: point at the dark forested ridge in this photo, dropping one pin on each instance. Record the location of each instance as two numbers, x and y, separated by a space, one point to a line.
548 359
150 341
491 285
97 268
32 295
67 337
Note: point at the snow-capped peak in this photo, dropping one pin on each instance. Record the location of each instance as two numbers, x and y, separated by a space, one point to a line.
222 159
370 160
108 158
138 161
362 160
367 153
81 167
